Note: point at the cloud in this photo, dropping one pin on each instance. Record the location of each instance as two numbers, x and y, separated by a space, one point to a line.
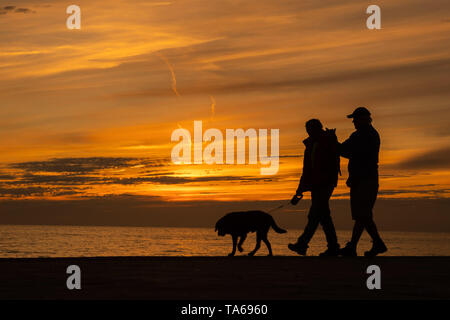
441 131
433 159
83 165
89 180
83 176
432 192
170 179
23 10
436 192
14 9
37 192
285 78
63 179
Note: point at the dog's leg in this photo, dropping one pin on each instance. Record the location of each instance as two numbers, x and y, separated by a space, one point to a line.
234 237
241 242
266 241
258 244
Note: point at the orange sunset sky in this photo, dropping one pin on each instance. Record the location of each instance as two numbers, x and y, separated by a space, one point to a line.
90 112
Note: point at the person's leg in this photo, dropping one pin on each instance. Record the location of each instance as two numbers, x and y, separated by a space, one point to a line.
313 220
372 230
301 245
350 249
357 204
358 229
369 223
326 221
308 232
330 232
378 245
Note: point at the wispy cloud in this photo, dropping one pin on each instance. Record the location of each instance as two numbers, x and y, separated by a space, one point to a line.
14 9
172 73
84 176
20 192
432 159
76 165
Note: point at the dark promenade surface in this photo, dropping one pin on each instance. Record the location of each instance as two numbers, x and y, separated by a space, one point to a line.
279 278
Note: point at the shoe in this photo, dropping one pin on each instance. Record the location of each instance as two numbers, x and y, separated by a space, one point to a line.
377 248
330 252
298 248
348 251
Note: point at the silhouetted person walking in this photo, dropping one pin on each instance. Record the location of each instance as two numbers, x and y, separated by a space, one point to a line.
362 149
320 175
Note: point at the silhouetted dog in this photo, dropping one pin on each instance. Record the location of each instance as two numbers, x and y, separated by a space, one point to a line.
238 224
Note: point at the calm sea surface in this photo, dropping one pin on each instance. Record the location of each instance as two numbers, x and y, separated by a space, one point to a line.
73 241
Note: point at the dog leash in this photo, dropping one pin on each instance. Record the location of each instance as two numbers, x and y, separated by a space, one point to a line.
287 203
279 207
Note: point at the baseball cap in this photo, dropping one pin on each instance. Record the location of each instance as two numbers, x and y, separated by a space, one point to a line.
359 112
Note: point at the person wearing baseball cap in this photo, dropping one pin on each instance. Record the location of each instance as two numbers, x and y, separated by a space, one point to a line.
362 149
359 112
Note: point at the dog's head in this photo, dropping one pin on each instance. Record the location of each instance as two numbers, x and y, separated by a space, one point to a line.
220 228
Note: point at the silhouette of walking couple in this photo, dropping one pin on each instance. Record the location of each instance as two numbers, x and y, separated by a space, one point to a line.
321 166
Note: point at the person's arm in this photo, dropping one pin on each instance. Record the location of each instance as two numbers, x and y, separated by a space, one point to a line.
301 188
373 148
304 179
304 183
345 148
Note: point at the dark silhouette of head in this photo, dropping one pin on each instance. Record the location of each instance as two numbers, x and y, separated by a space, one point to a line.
314 128
221 227
361 118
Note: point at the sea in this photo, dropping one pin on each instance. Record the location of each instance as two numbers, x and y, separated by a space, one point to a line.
26 241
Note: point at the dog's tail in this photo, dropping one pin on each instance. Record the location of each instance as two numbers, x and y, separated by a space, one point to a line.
277 228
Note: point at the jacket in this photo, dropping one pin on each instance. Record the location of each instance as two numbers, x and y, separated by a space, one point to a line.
362 149
320 162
